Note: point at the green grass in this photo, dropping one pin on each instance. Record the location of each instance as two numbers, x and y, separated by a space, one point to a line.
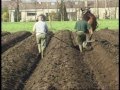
55 25
111 24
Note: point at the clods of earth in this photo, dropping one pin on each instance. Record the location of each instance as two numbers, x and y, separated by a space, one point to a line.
63 67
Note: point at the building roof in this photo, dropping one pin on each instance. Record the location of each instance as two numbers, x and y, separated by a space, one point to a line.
69 4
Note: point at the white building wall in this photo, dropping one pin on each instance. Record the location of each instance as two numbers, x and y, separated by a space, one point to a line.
24 16
110 12
117 13
12 16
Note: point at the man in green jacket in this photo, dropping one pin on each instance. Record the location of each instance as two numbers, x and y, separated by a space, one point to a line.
83 30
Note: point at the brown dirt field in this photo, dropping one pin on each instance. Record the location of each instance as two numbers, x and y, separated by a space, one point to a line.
62 68
11 39
5 33
105 35
109 35
103 67
18 63
103 59
108 40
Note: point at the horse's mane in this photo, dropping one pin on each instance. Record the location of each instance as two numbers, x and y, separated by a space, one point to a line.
86 15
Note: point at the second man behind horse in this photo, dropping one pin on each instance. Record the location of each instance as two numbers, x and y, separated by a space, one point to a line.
83 31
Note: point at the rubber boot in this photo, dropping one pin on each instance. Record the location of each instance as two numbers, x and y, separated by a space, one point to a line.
84 44
39 48
41 51
80 47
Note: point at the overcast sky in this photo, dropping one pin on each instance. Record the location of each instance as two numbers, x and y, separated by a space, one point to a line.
35 0
50 0
44 0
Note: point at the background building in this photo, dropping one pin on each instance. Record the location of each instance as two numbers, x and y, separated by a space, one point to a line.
29 10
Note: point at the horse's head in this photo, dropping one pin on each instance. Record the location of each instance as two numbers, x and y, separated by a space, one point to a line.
85 10
86 14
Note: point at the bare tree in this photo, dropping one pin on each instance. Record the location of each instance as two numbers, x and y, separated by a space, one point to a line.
78 11
108 5
17 13
71 7
62 13
35 3
116 3
105 9
17 10
96 4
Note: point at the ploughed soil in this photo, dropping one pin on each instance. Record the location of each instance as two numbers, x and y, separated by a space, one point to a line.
18 62
10 40
103 59
3 33
63 67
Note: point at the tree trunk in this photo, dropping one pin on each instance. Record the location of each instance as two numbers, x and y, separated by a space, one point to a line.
35 10
105 9
115 8
97 9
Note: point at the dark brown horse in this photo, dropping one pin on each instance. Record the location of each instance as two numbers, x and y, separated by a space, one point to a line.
86 14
